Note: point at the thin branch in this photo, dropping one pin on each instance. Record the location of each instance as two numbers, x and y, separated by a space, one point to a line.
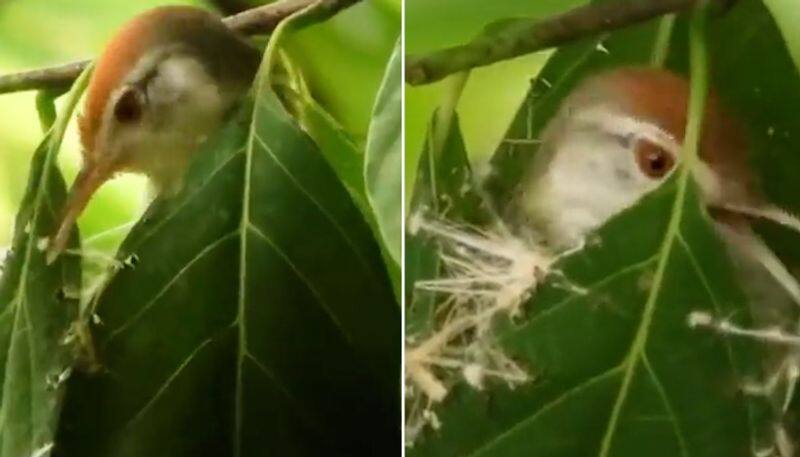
58 78
229 7
262 19
528 35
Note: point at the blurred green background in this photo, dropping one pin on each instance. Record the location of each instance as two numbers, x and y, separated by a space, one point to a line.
342 59
493 94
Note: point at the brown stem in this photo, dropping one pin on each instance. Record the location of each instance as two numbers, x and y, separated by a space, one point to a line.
527 36
262 19
230 7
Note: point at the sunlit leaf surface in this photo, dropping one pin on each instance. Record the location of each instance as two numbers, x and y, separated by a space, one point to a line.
384 157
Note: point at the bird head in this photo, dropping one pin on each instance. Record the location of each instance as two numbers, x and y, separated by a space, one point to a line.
163 83
619 136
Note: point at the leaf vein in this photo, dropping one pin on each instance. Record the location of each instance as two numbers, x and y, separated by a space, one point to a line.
662 392
185 201
317 295
331 219
286 393
168 285
167 383
566 395
594 287
717 307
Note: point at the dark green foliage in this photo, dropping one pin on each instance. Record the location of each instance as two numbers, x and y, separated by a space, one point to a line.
254 314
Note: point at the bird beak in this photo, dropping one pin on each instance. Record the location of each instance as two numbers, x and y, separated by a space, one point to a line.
724 201
86 184
729 216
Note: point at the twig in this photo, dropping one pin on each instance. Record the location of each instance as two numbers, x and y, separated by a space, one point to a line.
262 19
229 7
528 35
265 18
57 78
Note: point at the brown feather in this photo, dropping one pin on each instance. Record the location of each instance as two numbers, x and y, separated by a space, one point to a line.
119 57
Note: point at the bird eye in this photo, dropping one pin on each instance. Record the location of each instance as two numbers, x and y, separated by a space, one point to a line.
653 160
128 107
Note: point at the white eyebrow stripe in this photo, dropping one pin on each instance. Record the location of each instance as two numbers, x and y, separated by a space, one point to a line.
623 125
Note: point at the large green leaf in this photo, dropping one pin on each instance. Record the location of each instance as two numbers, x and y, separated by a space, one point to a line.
764 91
254 315
38 303
786 15
347 160
340 150
618 370
372 176
384 157
680 395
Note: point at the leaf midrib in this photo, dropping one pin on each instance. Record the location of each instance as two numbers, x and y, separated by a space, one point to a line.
696 105
261 80
640 339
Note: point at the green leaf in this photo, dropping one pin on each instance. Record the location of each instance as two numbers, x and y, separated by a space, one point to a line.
764 91
344 58
628 334
786 15
348 161
254 316
682 398
384 157
38 302
339 149
46 108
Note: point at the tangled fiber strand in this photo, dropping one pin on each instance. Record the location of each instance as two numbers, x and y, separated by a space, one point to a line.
485 274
